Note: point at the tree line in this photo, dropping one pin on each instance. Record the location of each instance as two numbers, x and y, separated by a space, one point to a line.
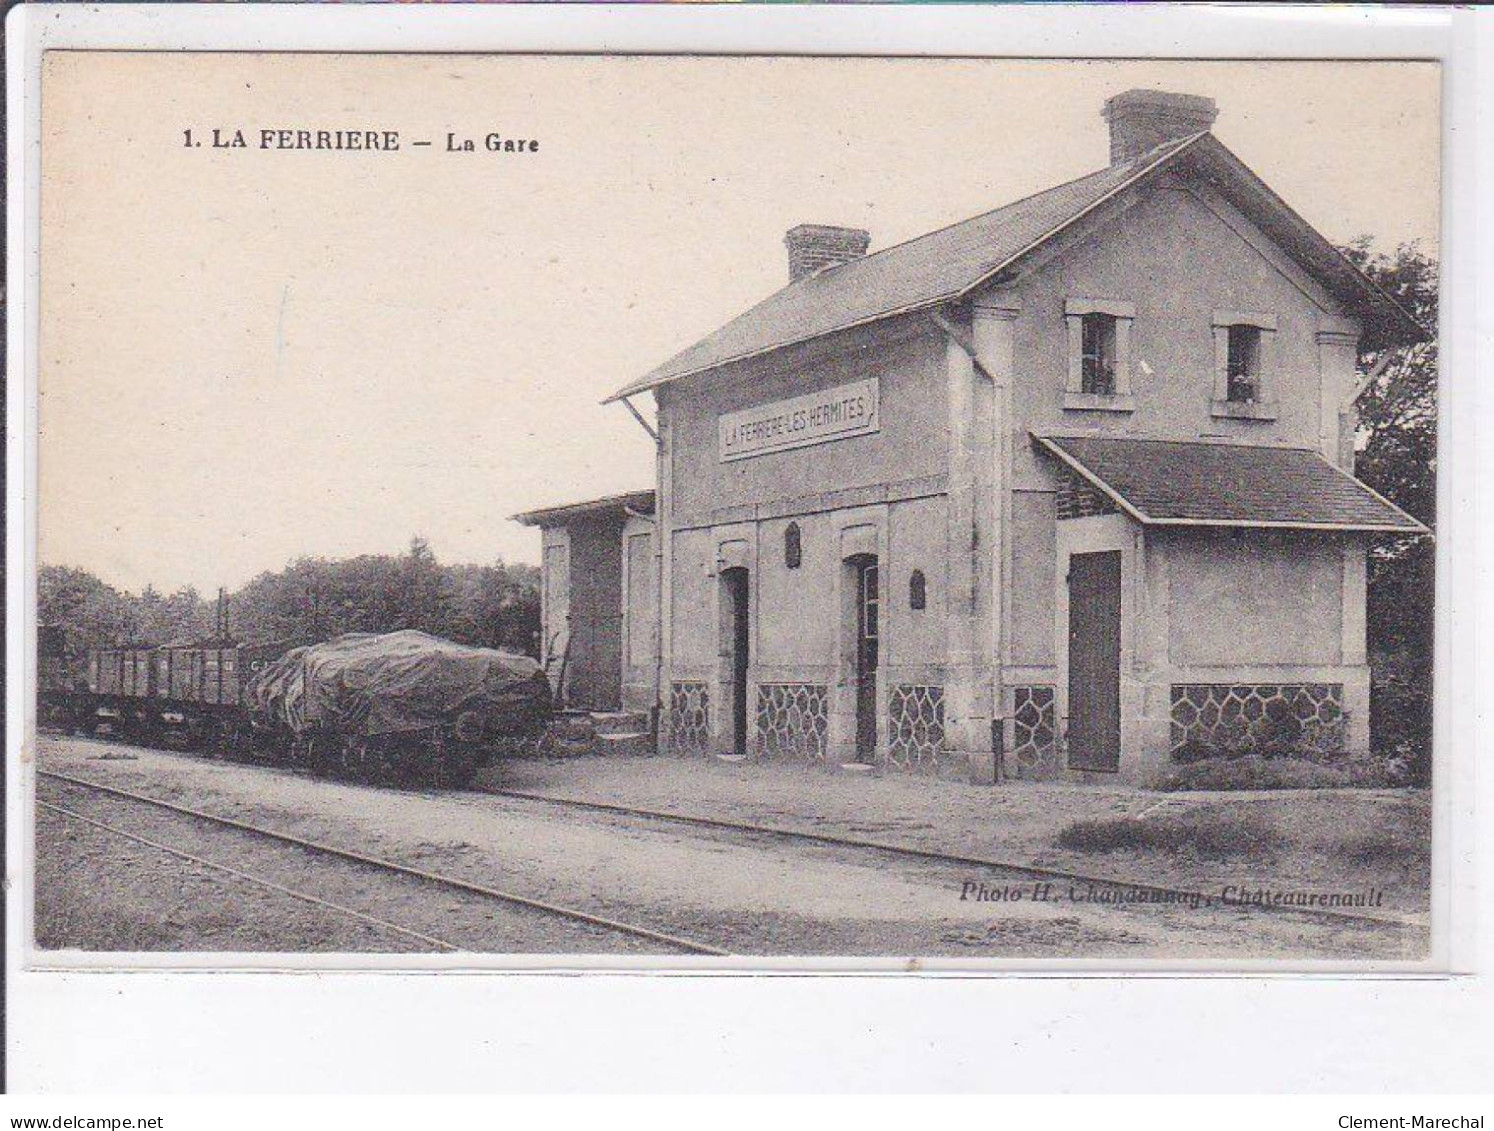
1397 456
493 606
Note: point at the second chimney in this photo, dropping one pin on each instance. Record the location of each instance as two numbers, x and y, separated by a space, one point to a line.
1141 120
813 247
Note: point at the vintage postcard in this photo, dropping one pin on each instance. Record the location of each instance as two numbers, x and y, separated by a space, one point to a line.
735 512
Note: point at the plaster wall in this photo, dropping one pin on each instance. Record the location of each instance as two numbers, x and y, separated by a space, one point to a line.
640 615
907 359
796 619
914 639
694 604
1179 256
1241 598
1034 562
555 596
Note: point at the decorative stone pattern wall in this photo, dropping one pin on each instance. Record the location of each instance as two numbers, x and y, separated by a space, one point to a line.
1035 751
1078 498
793 721
689 718
915 726
1232 717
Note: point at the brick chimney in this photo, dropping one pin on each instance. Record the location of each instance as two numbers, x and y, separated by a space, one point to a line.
1141 120
813 247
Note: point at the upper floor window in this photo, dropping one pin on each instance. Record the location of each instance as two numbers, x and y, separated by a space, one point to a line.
1099 354
1244 346
1243 365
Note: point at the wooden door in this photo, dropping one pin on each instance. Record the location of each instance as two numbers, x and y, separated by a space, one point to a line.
868 642
1094 661
735 581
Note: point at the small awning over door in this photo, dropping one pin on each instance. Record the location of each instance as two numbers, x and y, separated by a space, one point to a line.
1188 483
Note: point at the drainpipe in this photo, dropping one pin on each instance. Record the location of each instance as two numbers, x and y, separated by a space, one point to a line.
659 539
967 715
991 353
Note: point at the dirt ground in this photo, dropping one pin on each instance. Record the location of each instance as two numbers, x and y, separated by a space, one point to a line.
1311 840
96 891
152 900
746 894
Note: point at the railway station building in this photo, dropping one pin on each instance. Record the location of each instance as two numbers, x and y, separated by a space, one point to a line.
1064 490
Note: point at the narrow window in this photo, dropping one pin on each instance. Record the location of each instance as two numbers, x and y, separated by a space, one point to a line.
1244 372
870 605
1097 354
918 591
793 549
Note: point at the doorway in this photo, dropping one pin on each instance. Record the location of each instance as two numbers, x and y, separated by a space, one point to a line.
1094 661
868 644
734 591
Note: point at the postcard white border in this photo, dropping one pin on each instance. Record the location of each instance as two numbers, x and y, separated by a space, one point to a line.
51 1043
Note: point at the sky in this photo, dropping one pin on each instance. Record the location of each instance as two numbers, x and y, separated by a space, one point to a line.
248 355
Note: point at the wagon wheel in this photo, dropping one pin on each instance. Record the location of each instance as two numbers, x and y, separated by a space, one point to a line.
321 754
452 767
353 755
393 759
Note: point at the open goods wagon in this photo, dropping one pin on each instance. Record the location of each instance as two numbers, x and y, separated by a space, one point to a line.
399 706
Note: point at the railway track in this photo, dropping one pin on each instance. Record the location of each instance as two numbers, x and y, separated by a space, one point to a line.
258 881
1163 893
436 880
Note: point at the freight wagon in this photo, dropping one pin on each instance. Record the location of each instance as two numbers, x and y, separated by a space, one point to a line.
380 707
181 692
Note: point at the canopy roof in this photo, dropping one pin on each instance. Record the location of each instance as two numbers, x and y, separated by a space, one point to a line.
1187 483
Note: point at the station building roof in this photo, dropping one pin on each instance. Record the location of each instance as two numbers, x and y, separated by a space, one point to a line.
948 264
620 506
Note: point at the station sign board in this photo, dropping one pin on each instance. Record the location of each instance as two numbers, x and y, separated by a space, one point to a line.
799 422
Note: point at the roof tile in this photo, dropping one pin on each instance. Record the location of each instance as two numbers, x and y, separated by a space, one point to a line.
1170 481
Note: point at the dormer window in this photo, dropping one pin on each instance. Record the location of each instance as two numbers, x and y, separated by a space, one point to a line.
1244 348
1099 354
1243 365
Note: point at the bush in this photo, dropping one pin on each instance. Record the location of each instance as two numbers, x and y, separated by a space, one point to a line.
1215 835
1382 850
1401 714
1259 772
1285 737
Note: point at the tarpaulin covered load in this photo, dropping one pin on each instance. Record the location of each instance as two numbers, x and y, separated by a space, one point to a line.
370 684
